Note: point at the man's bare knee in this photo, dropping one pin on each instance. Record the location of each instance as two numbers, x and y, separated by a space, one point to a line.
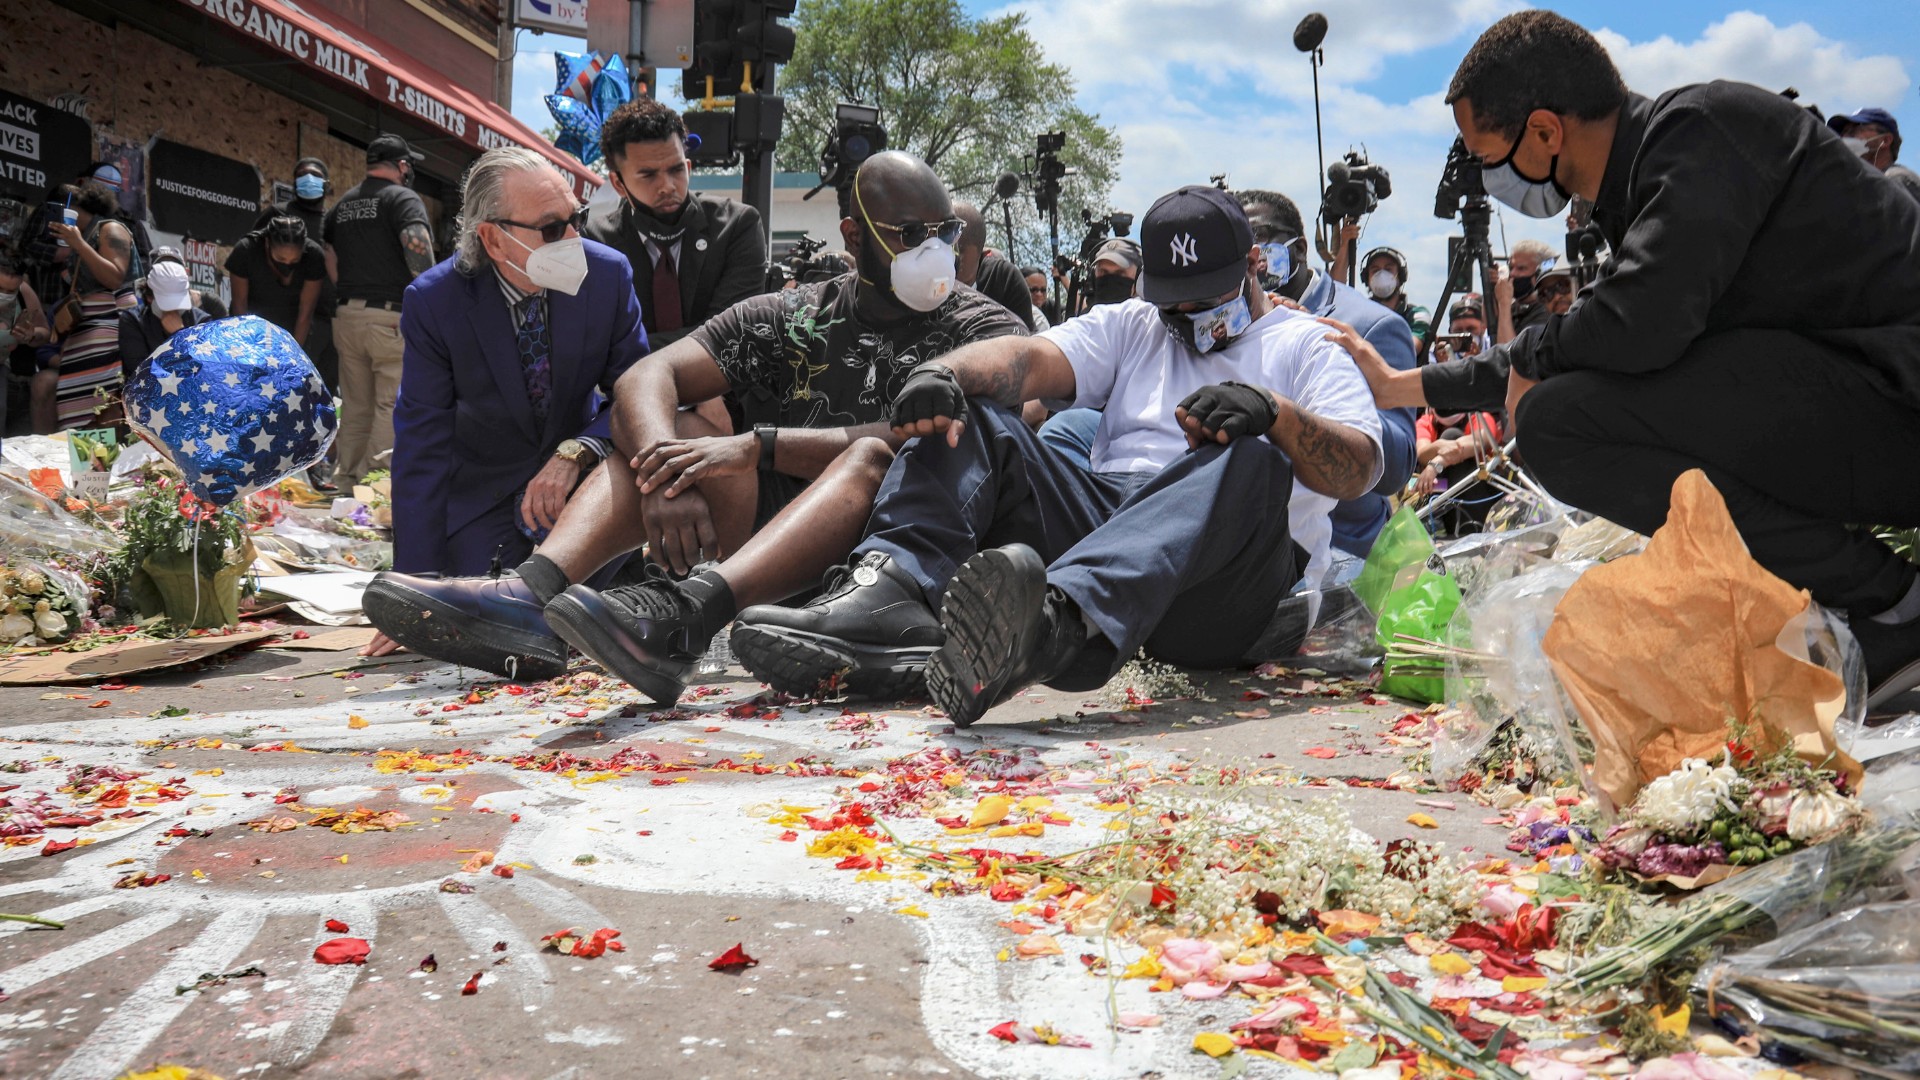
869 455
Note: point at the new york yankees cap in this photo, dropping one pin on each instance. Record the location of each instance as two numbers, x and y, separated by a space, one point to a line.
1194 245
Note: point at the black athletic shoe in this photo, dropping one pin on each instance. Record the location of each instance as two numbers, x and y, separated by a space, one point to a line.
645 633
1892 655
1006 630
493 624
869 634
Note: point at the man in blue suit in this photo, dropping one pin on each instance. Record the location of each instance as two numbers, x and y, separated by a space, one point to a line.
1281 234
506 343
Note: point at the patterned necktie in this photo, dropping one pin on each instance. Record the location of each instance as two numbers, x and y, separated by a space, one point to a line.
666 293
535 362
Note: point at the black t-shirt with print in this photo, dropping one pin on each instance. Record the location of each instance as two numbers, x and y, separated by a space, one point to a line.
801 357
267 296
364 228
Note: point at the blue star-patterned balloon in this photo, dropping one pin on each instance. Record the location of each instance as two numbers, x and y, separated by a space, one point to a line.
234 404
588 90
578 121
611 88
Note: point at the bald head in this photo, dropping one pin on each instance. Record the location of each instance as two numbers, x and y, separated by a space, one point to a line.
973 241
893 187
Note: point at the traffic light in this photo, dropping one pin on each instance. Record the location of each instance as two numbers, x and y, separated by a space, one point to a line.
715 54
760 35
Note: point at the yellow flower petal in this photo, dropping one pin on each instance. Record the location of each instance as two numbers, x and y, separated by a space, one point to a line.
1147 967
1424 821
356 722
1213 1044
1675 1022
992 811
1520 984
913 911
1449 964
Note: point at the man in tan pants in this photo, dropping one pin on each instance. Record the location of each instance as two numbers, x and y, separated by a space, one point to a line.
378 241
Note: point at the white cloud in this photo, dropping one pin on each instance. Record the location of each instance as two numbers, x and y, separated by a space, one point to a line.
1750 48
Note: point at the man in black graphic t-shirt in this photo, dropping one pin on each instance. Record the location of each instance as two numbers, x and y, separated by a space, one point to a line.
377 241
814 370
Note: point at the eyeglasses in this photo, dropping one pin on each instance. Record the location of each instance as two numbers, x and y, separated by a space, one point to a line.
915 233
553 231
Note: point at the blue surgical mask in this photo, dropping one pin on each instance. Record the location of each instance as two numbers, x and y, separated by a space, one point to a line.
1212 329
309 186
1534 198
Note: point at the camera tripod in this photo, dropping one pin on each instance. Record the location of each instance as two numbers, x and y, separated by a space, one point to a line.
1476 249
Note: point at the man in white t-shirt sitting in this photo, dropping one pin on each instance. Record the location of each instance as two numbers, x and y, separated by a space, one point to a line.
1231 428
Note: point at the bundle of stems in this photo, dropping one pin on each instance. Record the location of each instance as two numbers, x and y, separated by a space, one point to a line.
1799 888
1416 1022
1410 655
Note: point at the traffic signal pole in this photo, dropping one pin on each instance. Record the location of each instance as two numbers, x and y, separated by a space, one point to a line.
756 173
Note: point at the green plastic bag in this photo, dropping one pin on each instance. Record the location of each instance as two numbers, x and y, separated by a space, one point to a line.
1421 609
1403 542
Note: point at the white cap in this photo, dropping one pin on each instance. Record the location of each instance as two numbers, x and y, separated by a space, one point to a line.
168 282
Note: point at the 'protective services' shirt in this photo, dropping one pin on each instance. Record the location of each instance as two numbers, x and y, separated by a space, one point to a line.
364 228
1127 364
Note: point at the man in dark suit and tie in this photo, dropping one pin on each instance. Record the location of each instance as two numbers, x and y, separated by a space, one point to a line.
506 343
693 256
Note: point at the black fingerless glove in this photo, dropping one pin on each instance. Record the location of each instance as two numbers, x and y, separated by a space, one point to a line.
931 392
1235 408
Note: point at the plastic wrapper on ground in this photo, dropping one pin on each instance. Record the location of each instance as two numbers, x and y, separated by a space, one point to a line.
1328 629
1846 989
1506 623
32 524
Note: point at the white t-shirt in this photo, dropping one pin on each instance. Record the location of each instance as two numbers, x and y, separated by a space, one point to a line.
1126 363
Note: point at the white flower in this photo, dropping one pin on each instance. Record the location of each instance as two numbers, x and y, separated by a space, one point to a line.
1688 797
14 627
1817 813
30 582
50 624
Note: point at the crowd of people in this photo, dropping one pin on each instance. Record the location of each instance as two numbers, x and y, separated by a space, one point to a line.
922 475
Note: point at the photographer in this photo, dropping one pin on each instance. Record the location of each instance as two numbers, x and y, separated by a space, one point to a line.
1045 310
1874 135
1527 261
1758 263
1384 272
1116 272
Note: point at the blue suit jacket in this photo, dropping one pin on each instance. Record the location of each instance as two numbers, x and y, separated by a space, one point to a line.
1356 522
464 438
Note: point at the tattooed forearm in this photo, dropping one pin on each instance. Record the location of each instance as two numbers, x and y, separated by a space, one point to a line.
1332 459
995 369
418 245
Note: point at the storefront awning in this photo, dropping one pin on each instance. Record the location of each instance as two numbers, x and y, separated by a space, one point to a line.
388 76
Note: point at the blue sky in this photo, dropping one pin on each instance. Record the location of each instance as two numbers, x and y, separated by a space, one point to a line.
1198 87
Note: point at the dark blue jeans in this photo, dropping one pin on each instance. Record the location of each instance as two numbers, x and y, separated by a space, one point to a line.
1188 562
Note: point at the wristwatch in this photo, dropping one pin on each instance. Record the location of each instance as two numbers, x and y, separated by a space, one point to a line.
765 433
576 451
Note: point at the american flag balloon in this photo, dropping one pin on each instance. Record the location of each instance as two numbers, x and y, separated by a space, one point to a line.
234 404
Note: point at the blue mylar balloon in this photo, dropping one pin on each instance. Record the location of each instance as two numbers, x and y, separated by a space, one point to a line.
578 124
234 404
611 88
576 72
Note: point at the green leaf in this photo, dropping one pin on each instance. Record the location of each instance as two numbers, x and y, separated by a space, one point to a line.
1355 1055
1232 1065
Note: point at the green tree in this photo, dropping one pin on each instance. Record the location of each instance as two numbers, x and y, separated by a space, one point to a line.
967 96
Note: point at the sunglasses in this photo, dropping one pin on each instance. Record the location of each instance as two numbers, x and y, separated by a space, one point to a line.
915 233
1556 288
553 231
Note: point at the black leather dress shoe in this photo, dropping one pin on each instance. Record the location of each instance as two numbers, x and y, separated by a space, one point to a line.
1006 630
493 624
869 634
643 632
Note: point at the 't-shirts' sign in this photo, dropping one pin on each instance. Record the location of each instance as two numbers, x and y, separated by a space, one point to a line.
39 146
333 51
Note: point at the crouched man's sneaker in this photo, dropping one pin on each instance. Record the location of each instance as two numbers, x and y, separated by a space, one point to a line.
1006 630
493 624
870 634
648 633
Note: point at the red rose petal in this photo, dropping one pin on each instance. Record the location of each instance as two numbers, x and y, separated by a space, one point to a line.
732 959
335 926
473 985
342 950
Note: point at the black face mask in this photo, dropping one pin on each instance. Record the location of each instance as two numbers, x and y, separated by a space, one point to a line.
876 269
654 227
1112 289
406 176
1523 286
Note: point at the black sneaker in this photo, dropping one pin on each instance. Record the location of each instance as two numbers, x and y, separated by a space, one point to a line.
1006 630
493 624
1892 656
645 633
869 634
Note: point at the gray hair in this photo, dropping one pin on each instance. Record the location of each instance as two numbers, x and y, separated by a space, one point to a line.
480 197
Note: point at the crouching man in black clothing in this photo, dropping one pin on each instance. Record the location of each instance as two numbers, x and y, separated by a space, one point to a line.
1760 320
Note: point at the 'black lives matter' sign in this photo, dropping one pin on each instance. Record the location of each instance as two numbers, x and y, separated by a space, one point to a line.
39 146
202 195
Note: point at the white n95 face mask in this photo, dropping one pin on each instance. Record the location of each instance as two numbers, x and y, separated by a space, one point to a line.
1382 284
560 266
924 277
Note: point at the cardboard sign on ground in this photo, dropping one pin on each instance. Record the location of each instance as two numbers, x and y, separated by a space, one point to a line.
336 640
119 660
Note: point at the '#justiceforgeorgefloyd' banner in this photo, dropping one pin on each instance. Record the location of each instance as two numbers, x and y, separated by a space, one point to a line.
202 195
39 146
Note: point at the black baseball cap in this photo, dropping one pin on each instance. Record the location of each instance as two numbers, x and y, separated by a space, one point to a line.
1193 246
392 148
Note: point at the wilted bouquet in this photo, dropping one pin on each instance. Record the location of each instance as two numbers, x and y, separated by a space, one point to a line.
1741 812
36 608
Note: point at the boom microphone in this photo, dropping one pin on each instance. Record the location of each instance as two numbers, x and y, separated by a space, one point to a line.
1007 186
1310 33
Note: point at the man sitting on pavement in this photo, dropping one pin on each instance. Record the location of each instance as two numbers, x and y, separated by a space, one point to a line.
1184 535
1759 265
814 368
989 273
